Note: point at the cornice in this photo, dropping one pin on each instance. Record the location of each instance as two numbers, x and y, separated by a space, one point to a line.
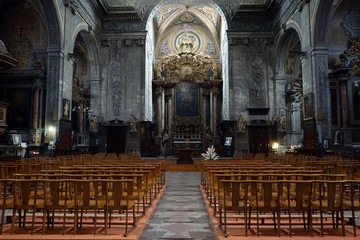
124 16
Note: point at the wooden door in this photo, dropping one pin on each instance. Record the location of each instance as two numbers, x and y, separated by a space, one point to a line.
259 139
116 138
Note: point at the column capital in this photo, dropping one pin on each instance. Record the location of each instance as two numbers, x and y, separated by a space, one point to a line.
159 91
206 92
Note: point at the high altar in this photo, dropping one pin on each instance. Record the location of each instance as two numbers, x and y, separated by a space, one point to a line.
187 88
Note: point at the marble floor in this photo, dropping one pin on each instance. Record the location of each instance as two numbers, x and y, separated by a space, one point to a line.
181 212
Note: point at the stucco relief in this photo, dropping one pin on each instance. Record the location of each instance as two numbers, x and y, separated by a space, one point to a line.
164 49
352 23
210 48
257 65
116 79
121 26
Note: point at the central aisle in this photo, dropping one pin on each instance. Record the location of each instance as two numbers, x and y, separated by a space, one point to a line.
181 212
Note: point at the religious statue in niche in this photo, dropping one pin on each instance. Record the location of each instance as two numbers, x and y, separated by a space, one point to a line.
94 124
133 121
282 121
240 124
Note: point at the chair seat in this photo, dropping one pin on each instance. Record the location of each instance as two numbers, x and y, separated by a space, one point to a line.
69 204
285 204
316 204
39 203
229 203
261 204
8 203
123 204
347 204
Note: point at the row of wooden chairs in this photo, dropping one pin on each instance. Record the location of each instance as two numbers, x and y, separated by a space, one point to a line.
309 199
48 198
259 186
73 174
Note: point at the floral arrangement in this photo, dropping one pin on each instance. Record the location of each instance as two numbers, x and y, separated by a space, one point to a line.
210 154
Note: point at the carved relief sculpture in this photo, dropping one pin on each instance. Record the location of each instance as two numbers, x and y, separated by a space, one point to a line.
133 121
116 81
240 124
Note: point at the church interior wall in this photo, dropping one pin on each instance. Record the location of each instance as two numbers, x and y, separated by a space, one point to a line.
121 54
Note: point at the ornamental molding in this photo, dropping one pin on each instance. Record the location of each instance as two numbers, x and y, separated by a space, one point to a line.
300 4
122 26
351 23
238 41
137 41
72 5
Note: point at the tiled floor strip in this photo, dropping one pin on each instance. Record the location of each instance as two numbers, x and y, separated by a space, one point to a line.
181 212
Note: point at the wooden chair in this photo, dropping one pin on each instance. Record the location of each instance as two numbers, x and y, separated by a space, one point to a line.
26 198
116 199
6 199
233 201
330 199
266 202
88 199
298 201
58 196
354 203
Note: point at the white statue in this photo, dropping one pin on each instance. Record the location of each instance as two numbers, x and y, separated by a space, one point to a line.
133 123
282 122
94 124
240 123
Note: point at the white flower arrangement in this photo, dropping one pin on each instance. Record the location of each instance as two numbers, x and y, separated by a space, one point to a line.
210 154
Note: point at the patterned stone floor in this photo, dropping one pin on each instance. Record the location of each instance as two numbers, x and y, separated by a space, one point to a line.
181 212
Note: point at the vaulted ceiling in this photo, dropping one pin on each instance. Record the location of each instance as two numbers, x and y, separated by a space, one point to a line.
126 3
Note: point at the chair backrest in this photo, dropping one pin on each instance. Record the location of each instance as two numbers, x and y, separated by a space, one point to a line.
116 192
329 192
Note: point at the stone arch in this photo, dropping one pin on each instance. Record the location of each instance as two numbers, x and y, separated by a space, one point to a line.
93 51
281 51
321 22
147 12
52 18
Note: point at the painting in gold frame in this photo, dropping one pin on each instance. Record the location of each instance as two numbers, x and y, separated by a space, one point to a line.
308 106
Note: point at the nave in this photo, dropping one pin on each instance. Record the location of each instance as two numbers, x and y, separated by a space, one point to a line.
181 205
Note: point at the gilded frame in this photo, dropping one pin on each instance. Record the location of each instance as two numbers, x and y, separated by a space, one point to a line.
308 106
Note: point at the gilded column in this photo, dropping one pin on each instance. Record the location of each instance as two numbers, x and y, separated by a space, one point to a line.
36 103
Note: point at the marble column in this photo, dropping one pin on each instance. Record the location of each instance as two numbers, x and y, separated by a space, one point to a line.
215 94
168 95
206 85
81 116
36 104
344 104
159 92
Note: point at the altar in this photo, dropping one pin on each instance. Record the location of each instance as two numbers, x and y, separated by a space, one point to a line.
187 92
186 151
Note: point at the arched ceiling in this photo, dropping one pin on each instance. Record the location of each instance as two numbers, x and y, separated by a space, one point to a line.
142 7
200 22
126 3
